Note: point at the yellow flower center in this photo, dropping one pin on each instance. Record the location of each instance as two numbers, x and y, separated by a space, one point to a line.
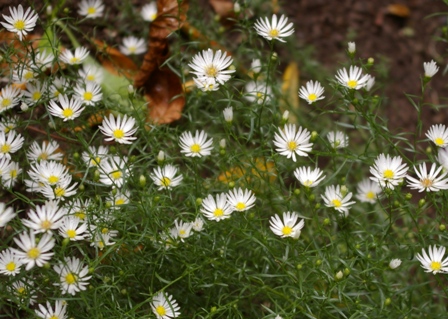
436 265
9 127
388 173
240 206
33 253
292 146
119 201
46 224
74 60
132 48
195 148
56 93
42 156
54 317
307 183
91 10
426 182
211 71
59 191
53 179
90 77
336 203
153 16
28 75
13 173
116 175
70 278
165 181
352 84
36 95
21 291
287 230
182 232
71 233
95 161
11 266
439 141
370 195
88 96
19 25
67 112
273 33
161 310
105 230
312 97
218 212
6 148
118 133
81 214
6 102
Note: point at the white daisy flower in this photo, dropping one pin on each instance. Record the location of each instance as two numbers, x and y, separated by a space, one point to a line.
73 228
32 253
442 157
164 306
91 8
6 214
257 92
312 92
337 139
78 208
183 229
48 151
68 109
119 198
59 312
198 224
9 263
212 65
164 178
10 97
240 200
73 275
206 84
353 79
434 262
228 114
43 59
308 177
10 143
132 45
24 291
197 145
114 171
34 93
91 73
275 30
58 86
10 174
46 173
8 123
20 22
288 227
430 68
438 134
394 263
94 156
388 171
102 237
368 191
23 73
119 129
78 57
334 198
88 93
428 181
45 218
149 11
290 142
218 209
60 191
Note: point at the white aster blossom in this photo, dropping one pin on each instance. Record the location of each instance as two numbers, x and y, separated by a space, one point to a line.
213 65
353 79
216 209
368 191
337 139
73 228
164 306
308 177
78 57
10 143
132 45
394 263
9 263
20 22
434 262
9 97
91 73
335 199
183 229
257 92
6 214
312 92
165 177
88 93
114 171
430 68
67 109
149 11
438 134
197 145
119 129
32 253
241 200
274 29
429 182
45 218
291 142
73 275
59 311
91 8
288 227
388 171
94 156
47 151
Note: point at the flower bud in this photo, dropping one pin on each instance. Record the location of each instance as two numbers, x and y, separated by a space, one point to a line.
285 116
236 7
198 201
339 275
394 263
228 114
318 262
327 221
314 136
351 47
442 227
161 157
408 196
131 89
222 143
421 202
297 191
142 180
346 272
387 302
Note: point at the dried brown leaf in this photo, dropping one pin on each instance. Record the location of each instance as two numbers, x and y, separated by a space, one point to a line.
399 10
114 61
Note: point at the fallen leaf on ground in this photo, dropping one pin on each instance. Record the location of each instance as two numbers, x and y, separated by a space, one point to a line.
399 10
290 89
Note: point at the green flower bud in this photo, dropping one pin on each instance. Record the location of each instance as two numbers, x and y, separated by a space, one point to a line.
314 136
421 202
299 266
327 221
387 302
297 191
346 271
408 196
317 206
442 227
198 201
142 180
318 262
231 184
